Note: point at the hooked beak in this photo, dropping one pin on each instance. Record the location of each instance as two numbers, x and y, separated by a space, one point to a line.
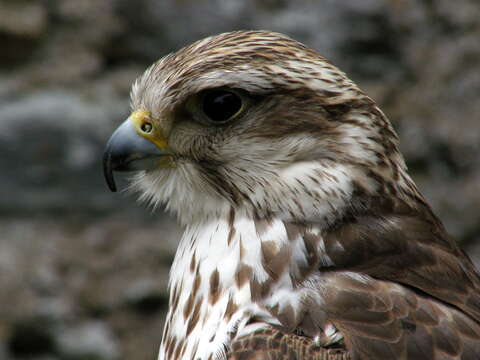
127 150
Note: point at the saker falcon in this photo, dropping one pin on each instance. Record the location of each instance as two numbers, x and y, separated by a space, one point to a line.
305 237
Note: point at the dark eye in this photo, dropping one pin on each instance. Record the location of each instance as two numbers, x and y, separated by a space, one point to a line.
221 105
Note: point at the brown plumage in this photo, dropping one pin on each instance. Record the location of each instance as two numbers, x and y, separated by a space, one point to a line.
305 236
273 344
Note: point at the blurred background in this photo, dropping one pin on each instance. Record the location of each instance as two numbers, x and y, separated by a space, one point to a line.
83 272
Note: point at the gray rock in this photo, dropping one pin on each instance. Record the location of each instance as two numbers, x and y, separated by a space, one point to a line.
91 340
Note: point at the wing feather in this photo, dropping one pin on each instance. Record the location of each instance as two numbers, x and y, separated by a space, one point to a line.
411 250
273 344
415 326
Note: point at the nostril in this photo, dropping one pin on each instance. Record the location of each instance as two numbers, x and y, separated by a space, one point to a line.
146 127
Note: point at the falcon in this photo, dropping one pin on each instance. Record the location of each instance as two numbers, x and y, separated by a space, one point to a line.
305 237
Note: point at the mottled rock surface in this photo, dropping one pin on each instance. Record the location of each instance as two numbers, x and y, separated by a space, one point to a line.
83 272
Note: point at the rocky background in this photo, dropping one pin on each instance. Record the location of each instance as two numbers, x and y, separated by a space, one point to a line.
83 272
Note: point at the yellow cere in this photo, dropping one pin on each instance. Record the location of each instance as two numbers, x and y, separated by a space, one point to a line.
138 118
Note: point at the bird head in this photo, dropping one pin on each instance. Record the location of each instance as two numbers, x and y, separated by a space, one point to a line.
253 120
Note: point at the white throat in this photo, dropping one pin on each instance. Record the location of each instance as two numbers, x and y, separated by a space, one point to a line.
232 268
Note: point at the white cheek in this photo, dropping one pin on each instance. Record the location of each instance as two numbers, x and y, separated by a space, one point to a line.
182 192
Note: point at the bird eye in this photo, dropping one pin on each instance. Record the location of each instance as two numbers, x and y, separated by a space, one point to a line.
146 127
221 105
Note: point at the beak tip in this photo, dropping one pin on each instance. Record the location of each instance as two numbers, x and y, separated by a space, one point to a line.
108 171
112 186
